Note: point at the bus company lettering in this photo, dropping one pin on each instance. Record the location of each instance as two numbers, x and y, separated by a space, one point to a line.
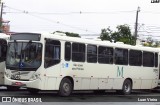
155 1
119 72
78 67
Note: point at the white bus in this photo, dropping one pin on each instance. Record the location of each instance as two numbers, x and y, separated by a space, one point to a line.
57 62
3 50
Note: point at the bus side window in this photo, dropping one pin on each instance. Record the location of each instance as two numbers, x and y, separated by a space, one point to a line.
148 59
92 53
121 56
78 52
135 58
156 60
67 51
105 55
52 53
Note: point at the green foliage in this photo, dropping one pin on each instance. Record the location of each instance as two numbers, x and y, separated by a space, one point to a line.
105 34
157 44
123 34
70 34
151 43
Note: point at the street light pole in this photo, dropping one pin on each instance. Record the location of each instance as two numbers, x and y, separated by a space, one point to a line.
136 24
1 21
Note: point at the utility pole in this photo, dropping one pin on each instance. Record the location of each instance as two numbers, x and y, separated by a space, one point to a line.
136 24
1 20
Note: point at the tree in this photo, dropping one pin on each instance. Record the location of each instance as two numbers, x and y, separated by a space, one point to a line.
157 44
151 43
106 34
115 36
123 34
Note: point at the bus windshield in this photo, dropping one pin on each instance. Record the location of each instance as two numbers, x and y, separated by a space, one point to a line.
3 49
24 56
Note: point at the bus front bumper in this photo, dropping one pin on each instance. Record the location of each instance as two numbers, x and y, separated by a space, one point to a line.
25 84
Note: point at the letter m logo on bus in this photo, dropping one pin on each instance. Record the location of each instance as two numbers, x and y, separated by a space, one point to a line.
119 71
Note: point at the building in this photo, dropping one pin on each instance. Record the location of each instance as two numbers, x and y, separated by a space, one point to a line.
5 28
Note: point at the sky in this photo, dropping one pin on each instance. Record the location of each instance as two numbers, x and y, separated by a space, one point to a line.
85 17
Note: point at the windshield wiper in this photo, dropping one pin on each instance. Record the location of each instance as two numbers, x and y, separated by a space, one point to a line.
29 43
20 61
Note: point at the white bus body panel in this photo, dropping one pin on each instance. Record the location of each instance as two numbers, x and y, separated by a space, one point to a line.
90 76
2 70
93 77
2 64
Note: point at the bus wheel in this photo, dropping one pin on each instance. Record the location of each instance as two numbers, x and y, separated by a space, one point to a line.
66 87
127 87
33 91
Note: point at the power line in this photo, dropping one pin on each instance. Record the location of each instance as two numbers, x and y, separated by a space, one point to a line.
46 19
36 14
148 30
154 27
57 22
153 30
69 13
150 12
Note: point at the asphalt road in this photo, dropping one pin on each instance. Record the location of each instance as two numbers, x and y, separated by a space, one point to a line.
79 98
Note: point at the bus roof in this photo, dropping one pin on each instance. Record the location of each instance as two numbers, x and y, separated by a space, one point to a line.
4 36
63 37
97 42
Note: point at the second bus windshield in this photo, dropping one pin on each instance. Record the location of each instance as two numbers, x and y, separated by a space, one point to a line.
3 49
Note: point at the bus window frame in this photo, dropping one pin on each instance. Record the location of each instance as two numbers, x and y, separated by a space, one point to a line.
45 58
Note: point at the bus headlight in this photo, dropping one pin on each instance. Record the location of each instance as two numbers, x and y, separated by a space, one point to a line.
7 75
35 76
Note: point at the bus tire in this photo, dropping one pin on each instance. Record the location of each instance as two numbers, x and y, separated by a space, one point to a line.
33 91
65 88
127 87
